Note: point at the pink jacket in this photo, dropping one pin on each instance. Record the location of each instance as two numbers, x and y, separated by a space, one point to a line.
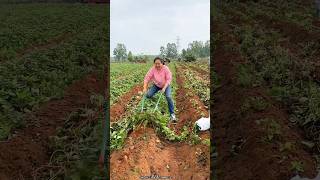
160 78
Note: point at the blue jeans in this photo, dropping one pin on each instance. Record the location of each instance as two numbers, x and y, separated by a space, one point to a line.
154 89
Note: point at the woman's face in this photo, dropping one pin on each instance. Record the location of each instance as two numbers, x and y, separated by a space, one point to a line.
158 64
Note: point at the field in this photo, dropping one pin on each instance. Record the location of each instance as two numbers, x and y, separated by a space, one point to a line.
267 95
52 60
142 143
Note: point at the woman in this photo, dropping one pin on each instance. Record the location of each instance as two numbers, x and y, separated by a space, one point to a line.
161 76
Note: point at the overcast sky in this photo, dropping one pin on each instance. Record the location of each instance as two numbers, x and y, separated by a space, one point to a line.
145 25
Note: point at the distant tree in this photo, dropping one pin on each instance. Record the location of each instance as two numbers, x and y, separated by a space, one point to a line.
146 58
120 52
162 52
183 53
171 51
207 49
199 49
196 48
130 57
190 57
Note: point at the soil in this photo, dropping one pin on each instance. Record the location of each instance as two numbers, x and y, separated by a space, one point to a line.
28 151
202 72
146 154
49 44
293 35
118 109
243 152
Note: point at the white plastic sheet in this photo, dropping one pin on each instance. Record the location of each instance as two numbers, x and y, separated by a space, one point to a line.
203 123
297 177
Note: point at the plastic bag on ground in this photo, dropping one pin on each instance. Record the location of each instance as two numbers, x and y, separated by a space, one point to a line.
203 123
297 177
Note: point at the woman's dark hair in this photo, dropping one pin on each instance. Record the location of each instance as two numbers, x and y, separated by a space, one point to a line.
161 60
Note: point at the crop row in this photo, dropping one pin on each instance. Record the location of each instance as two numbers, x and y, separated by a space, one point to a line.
197 84
289 11
40 76
129 76
26 25
287 77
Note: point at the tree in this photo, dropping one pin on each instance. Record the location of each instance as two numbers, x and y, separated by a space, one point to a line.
171 51
183 53
189 57
162 52
196 48
120 52
130 57
207 48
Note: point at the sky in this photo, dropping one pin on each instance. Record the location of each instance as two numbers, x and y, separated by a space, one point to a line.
143 26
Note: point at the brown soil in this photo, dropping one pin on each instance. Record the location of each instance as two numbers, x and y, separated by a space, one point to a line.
242 151
51 43
155 156
118 109
202 72
293 36
187 113
146 154
28 150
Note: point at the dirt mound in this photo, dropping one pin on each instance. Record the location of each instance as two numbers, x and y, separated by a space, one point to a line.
118 109
28 150
187 112
240 135
145 155
199 70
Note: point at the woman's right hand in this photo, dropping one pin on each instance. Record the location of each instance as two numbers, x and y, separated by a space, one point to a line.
145 85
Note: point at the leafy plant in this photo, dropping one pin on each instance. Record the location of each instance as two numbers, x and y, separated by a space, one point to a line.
272 127
297 166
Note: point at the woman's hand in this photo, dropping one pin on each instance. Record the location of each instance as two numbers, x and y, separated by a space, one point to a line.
145 85
163 90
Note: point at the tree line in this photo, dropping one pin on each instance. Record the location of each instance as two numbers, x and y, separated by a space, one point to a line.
196 49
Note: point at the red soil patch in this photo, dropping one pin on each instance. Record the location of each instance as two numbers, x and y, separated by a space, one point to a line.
51 43
154 156
28 150
293 33
118 109
187 113
202 72
242 152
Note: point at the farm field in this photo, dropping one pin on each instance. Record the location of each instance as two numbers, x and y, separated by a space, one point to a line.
52 62
266 58
142 143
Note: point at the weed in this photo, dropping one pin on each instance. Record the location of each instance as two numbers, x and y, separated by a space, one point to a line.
245 75
272 127
287 147
297 166
256 103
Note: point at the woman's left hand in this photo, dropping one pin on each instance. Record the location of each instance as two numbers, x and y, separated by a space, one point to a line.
163 90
